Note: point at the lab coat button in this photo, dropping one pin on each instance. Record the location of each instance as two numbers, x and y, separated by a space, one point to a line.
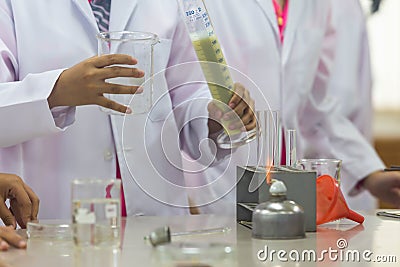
108 155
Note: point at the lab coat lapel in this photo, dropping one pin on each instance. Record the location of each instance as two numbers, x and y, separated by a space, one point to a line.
295 10
121 12
268 9
86 11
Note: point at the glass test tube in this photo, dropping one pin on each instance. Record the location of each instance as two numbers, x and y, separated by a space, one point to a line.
266 136
291 154
277 137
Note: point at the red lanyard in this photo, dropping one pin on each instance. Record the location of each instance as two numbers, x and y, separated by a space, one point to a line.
281 16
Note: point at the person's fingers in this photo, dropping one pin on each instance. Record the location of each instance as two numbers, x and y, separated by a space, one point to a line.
389 181
394 197
119 71
20 203
385 186
251 106
237 96
396 182
393 188
391 197
3 244
214 111
240 108
6 215
112 59
10 236
237 113
246 122
34 200
246 118
250 126
251 121
111 88
107 103
241 124
22 214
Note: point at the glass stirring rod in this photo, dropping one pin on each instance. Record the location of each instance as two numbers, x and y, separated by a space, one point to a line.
203 231
163 235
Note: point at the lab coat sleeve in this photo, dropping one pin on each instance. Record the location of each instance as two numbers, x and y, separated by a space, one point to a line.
362 117
190 97
351 74
24 110
344 140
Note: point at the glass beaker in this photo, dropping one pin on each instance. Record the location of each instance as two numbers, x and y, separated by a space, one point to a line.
329 167
96 212
139 45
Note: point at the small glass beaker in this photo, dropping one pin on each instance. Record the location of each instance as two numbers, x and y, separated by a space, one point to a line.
139 45
96 212
331 167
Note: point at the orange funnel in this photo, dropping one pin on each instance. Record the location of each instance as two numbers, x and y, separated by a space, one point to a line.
331 204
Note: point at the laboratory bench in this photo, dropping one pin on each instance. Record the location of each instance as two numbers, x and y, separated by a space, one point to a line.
334 244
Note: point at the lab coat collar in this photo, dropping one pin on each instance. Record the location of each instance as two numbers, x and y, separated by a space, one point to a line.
86 11
123 8
268 9
122 11
295 10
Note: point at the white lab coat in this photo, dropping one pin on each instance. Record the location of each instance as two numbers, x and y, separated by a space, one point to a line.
49 148
351 80
294 78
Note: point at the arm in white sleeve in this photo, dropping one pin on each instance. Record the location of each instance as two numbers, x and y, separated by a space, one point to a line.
350 80
363 116
343 140
24 111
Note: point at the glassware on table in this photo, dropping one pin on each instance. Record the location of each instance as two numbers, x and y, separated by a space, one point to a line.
139 45
196 254
162 235
96 212
331 167
291 147
49 230
49 237
268 136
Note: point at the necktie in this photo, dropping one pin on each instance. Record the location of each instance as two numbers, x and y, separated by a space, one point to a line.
101 11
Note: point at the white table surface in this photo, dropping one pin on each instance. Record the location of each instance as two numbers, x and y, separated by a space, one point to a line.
379 235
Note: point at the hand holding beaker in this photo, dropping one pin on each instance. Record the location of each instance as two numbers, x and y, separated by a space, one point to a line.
84 83
239 111
236 117
138 45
